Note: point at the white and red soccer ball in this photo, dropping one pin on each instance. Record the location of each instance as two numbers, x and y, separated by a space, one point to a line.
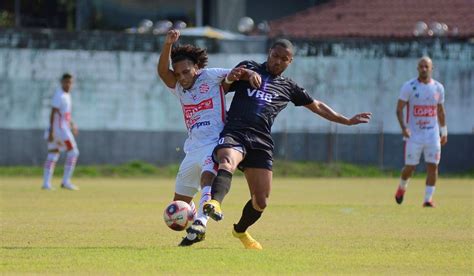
178 215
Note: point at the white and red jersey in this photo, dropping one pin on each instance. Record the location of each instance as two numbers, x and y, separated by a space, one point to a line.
203 107
422 109
62 101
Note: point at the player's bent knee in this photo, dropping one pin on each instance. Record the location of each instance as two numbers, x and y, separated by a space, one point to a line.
259 203
226 163
409 169
430 167
73 152
184 198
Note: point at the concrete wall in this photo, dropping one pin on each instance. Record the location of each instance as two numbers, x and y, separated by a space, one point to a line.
27 147
124 112
120 90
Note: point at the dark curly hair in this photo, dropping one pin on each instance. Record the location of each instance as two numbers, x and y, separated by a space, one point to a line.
189 52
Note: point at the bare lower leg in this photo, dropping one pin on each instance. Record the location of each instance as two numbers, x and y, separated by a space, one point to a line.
228 160
259 181
407 172
432 174
184 198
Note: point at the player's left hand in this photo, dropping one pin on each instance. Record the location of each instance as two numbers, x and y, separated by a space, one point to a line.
444 140
255 80
361 118
75 130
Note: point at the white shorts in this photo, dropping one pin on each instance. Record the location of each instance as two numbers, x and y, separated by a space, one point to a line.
431 152
63 138
188 180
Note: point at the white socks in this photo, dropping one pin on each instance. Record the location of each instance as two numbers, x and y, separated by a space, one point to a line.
205 197
71 159
403 184
429 191
193 207
49 165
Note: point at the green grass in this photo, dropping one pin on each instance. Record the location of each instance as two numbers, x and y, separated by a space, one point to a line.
312 226
281 169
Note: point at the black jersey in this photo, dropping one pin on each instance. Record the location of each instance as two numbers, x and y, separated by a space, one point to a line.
254 110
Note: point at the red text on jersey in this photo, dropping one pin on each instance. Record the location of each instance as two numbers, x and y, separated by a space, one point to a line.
424 111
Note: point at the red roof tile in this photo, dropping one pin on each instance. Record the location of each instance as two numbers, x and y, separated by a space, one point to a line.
376 18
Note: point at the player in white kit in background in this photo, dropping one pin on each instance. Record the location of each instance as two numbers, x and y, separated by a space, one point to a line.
60 136
201 93
424 99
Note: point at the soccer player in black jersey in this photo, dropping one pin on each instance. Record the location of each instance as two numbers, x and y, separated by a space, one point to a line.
246 141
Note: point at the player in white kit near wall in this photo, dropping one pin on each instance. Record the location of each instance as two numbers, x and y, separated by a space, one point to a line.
201 92
426 129
60 136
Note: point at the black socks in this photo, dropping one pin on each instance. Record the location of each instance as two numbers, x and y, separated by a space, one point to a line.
249 217
221 185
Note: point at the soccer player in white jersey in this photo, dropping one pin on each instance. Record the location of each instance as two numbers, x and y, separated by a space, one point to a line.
201 93
60 136
426 119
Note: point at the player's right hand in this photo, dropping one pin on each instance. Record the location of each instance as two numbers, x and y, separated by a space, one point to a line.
406 133
172 36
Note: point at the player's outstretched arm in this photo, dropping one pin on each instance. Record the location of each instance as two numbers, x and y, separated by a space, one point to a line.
163 67
326 112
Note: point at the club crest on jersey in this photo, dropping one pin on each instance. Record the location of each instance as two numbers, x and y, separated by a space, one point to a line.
259 94
204 88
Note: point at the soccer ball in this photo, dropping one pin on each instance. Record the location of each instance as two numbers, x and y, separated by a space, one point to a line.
178 215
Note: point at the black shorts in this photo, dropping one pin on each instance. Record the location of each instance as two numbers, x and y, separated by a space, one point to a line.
257 152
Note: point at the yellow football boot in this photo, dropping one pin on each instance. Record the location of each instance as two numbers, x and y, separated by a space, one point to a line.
247 240
212 208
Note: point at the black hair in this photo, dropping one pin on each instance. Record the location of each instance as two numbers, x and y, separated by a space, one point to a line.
192 53
66 76
285 43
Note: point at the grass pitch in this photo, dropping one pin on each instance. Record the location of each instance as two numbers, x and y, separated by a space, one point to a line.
312 226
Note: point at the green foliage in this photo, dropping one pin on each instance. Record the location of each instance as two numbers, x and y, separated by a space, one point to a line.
6 19
281 169
314 169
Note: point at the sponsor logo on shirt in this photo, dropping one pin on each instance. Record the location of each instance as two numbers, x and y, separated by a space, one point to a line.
190 111
423 124
259 94
424 111
200 124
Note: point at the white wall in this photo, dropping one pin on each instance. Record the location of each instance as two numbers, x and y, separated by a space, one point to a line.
120 90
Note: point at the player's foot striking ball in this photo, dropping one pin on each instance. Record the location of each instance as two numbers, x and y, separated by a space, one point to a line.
213 209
